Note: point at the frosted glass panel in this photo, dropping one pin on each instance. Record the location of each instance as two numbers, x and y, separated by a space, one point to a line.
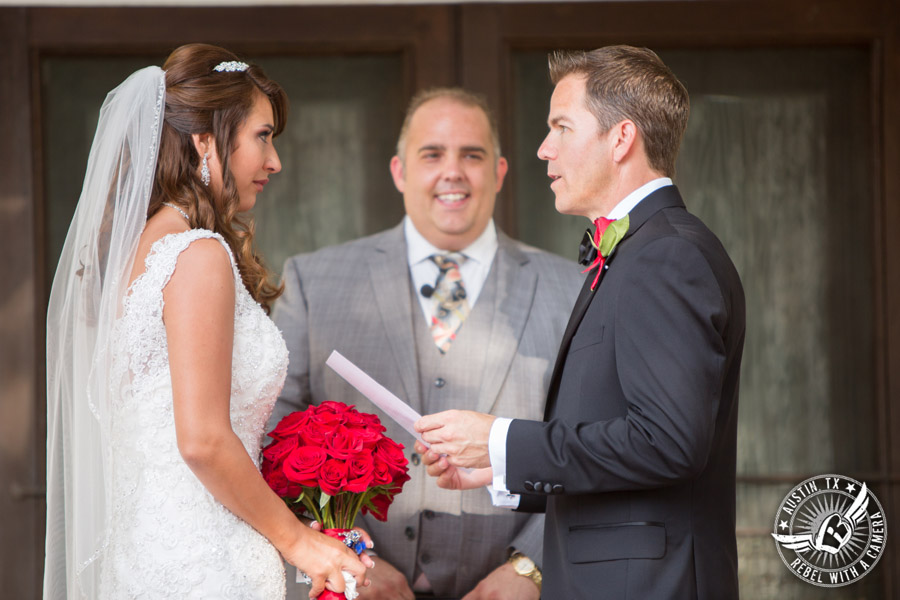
772 163
342 131
538 222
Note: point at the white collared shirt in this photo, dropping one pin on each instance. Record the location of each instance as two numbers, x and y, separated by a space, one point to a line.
474 270
500 428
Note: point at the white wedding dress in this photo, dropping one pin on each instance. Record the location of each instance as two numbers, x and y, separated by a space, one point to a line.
168 536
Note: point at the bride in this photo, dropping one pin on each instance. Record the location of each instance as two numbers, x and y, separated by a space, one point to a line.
162 364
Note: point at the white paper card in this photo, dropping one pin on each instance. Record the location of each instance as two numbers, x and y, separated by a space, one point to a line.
380 396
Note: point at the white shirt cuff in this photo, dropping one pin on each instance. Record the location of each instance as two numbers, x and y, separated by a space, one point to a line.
500 495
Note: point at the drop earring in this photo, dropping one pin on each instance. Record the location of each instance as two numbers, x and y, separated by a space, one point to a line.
204 170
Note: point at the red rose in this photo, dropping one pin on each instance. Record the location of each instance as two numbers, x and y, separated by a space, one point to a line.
290 425
330 414
333 407
279 449
399 480
392 453
281 485
333 476
381 472
360 473
344 443
378 506
315 434
358 420
302 465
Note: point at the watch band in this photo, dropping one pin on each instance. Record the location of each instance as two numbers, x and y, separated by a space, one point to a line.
525 567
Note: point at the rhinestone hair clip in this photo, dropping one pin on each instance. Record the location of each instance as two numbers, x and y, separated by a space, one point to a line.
230 66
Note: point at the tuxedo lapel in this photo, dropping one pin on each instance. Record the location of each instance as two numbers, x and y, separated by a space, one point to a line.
581 306
666 197
515 289
388 267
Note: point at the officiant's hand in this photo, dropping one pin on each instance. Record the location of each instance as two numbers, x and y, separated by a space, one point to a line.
387 583
448 476
503 583
460 434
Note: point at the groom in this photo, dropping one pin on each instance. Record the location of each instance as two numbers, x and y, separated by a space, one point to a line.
634 462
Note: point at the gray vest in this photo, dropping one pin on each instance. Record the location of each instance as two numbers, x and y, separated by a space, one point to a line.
452 380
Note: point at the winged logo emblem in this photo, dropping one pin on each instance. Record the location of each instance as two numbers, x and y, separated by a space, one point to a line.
833 533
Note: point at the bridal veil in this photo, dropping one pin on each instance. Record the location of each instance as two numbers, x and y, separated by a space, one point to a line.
85 299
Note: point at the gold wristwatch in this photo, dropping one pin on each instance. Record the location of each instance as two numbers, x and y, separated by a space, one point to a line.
525 567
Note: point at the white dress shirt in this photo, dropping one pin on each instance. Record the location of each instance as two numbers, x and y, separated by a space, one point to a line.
500 428
474 270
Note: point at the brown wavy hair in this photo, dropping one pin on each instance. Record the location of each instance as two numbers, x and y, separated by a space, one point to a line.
200 100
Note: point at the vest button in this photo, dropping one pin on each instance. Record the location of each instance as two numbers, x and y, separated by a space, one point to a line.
439 382
410 533
425 558
429 514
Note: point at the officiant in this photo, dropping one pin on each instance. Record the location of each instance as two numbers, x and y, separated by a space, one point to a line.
446 311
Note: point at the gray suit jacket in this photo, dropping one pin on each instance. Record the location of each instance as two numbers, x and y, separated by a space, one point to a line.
356 298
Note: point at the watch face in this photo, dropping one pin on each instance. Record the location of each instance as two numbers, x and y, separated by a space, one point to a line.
523 565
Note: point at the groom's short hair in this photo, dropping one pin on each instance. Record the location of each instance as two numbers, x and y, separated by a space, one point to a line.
624 82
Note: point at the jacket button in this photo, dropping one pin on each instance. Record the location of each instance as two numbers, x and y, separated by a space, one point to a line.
538 487
529 487
425 558
548 488
439 382
410 533
415 459
558 489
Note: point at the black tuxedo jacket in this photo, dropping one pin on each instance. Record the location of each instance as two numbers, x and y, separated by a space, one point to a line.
635 460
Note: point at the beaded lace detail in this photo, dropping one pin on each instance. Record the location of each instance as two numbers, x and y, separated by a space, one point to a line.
169 537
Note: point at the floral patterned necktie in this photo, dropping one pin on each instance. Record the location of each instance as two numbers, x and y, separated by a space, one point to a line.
451 307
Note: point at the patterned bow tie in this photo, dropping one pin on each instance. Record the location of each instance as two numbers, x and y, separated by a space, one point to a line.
595 250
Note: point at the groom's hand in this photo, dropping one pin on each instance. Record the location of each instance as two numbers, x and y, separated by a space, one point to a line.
503 583
460 434
448 476
386 583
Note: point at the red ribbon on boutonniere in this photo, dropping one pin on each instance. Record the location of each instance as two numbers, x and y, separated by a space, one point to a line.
607 234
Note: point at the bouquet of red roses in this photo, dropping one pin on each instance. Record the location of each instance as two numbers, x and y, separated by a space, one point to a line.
332 461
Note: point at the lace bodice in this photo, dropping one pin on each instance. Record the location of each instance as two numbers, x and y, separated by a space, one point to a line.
169 537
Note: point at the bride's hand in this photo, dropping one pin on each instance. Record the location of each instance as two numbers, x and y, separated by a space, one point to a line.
323 558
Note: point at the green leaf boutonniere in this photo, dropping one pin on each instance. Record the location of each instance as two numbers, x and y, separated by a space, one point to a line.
607 235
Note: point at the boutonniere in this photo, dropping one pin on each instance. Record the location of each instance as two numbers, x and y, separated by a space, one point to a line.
607 234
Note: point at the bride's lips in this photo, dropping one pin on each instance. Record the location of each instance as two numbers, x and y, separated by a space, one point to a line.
260 184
